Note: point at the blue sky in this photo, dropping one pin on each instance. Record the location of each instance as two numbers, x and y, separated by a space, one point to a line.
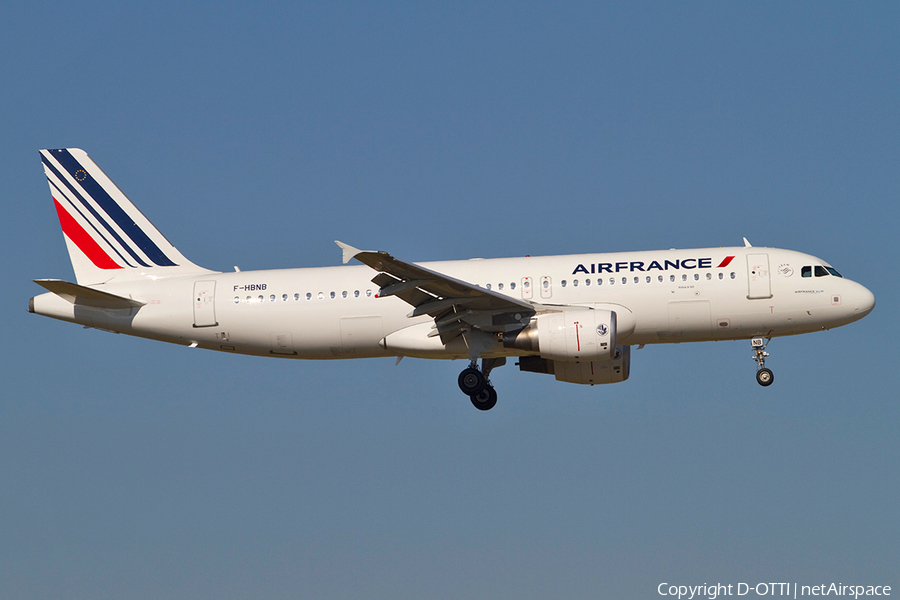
254 135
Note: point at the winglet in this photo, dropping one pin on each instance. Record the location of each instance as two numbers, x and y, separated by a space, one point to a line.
349 251
747 244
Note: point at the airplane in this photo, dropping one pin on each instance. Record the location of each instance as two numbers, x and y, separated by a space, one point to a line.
575 317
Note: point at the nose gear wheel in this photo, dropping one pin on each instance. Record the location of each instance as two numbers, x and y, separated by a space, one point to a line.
764 376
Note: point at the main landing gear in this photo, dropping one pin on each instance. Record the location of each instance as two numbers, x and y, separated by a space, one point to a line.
475 384
764 376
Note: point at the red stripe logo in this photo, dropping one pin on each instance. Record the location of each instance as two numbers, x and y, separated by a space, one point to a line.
725 262
83 240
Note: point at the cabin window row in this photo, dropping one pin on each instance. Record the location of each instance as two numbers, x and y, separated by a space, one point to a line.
575 282
296 297
624 280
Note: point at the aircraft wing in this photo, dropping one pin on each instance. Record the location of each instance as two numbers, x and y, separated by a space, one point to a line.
452 303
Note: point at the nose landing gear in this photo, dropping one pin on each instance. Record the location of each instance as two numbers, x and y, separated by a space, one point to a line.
764 376
475 383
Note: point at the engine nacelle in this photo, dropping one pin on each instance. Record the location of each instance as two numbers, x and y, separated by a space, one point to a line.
613 370
568 336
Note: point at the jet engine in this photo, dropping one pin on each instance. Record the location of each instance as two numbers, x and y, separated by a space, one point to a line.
568 336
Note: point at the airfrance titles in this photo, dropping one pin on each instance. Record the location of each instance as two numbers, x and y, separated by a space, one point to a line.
654 265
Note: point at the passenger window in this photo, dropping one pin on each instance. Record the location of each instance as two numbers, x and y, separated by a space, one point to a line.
343 294
284 297
820 271
637 279
696 276
612 281
260 298
732 275
599 281
320 296
237 299
659 278
562 283
624 280
708 276
587 282
684 277
806 272
368 293
499 286
671 278
648 279
721 275
356 293
308 296
297 297
512 285
488 286
575 282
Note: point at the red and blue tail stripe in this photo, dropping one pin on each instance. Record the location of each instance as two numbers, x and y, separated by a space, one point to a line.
104 209
66 209
109 240
85 242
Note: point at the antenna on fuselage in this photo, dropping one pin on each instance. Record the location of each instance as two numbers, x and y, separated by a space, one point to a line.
747 244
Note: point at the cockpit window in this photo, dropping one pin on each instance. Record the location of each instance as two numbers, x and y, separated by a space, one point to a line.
820 271
806 272
834 272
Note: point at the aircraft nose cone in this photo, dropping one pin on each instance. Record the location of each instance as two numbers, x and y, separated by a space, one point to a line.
865 302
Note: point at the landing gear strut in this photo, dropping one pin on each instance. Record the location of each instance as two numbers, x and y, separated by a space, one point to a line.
764 376
475 383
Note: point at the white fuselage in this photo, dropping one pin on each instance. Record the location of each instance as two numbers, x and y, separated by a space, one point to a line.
334 312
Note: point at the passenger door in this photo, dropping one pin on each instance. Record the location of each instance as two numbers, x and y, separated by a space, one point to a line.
205 304
759 284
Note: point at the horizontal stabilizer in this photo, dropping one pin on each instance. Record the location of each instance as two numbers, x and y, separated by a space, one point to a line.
85 296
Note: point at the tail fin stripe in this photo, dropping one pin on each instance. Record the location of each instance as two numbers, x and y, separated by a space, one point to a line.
93 212
109 240
74 207
83 240
112 208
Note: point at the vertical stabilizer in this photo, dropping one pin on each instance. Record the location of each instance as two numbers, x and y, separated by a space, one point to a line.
108 238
